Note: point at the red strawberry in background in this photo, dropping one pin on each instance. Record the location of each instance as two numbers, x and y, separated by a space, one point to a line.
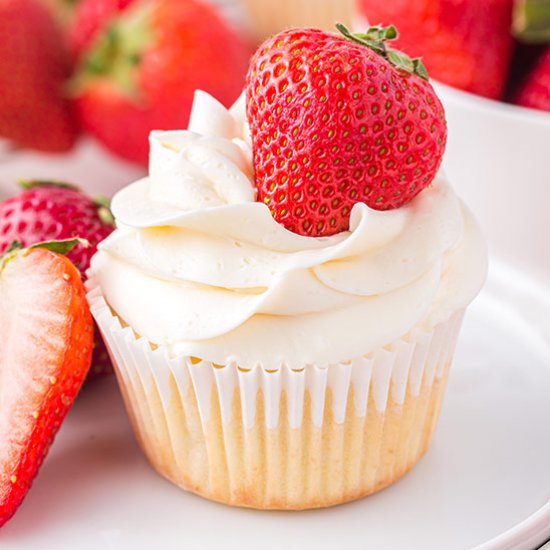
47 211
45 352
33 68
524 59
337 120
138 70
531 21
535 92
463 43
91 17
532 27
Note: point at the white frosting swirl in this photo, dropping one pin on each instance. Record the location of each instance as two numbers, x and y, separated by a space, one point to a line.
197 265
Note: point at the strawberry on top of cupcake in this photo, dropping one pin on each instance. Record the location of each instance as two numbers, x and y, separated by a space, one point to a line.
337 120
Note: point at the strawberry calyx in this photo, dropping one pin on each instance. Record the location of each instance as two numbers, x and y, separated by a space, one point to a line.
62 246
531 21
116 53
33 184
104 210
376 37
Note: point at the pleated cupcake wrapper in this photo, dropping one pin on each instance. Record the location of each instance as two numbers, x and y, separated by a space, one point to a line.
268 17
199 422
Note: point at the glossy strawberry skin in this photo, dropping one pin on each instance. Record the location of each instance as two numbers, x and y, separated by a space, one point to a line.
46 213
535 92
333 124
45 353
178 60
34 66
463 43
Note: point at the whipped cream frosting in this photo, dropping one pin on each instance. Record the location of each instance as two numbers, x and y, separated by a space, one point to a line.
200 267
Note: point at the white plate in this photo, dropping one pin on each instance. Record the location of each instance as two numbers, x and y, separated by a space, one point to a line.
484 483
88 165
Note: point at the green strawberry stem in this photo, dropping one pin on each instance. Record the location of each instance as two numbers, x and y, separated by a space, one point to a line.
14 245
117 52
531 21
32 184
62 246
375 38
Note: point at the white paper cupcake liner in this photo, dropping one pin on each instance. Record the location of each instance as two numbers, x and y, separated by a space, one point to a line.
284 439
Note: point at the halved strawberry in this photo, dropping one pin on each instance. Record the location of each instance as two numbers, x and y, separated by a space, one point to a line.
46 338
51 210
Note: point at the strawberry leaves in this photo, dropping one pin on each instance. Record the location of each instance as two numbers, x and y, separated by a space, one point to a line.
375 38
62 246
531 22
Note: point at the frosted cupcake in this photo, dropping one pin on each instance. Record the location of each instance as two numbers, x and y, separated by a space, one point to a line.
261 366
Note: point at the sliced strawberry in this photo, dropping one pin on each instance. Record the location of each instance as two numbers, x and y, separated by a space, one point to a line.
49 210
46 338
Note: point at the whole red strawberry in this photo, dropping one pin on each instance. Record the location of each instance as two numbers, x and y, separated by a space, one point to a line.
337 120
48 211
463 43
33 68
535 92
140 63
45 349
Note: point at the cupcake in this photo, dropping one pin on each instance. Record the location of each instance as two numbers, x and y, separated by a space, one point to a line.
266 18
283 293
